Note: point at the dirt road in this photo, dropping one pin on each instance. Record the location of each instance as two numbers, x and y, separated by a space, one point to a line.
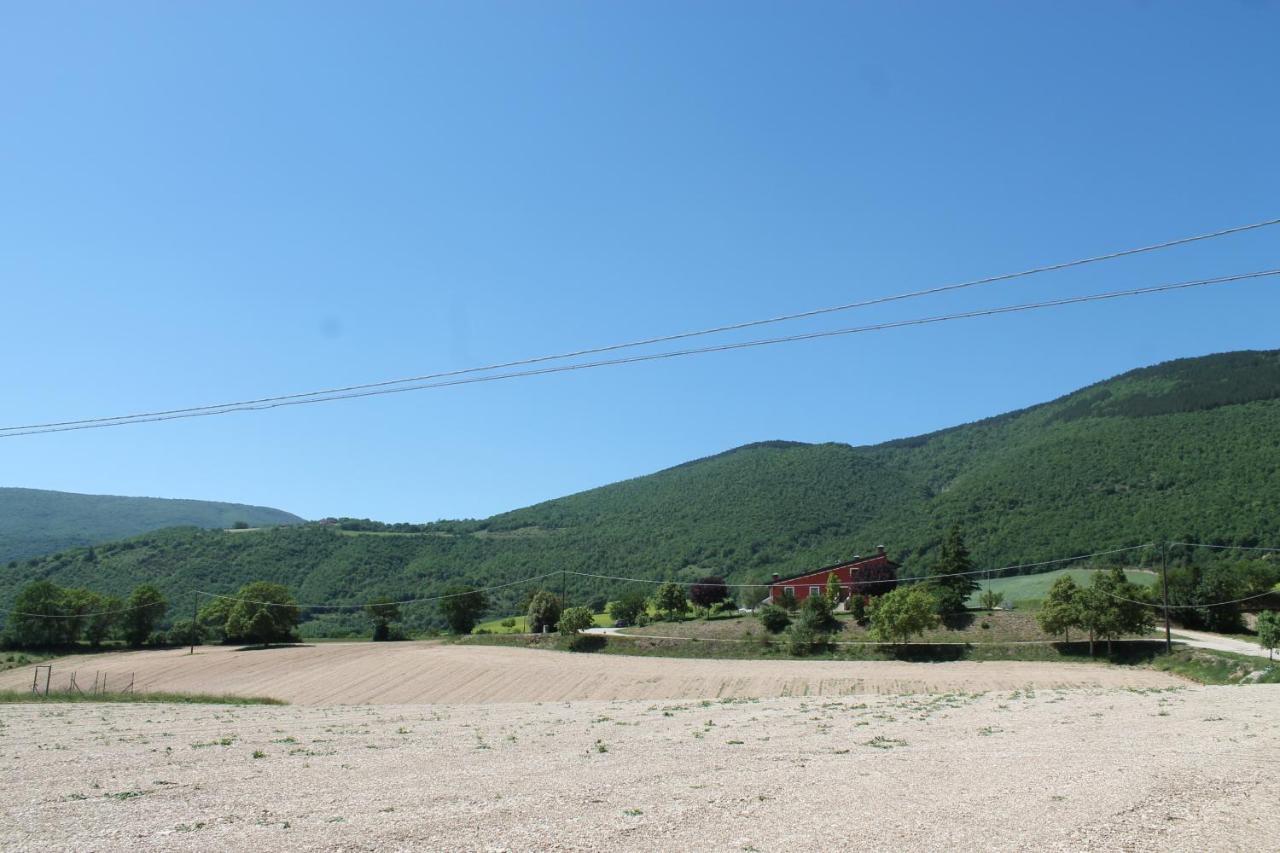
1188 769
389 673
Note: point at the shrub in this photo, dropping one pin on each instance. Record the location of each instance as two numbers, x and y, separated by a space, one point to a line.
787 601
857 607
1269 632
819 612
902 614
576 619
774 618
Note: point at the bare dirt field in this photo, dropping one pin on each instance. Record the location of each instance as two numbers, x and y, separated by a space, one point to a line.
390 673
1188 768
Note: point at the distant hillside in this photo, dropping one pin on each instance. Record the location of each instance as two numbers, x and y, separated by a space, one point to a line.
1188 450
34 521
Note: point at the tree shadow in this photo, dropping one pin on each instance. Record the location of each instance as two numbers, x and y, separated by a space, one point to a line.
257 647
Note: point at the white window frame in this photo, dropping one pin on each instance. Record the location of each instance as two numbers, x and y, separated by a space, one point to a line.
815 589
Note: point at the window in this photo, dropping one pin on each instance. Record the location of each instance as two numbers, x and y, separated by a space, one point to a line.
815 590
792 590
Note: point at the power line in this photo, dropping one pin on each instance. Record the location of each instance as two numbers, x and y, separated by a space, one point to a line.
1226 547
1190 606
879 300
10 432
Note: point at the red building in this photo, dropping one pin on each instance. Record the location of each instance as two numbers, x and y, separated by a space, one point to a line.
864 575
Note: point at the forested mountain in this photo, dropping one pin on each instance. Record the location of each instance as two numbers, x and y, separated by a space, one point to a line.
36 521
1187 450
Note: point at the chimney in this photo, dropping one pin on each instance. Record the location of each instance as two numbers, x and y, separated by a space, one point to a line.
776 577
880 550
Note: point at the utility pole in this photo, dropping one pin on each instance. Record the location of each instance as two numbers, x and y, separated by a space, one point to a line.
195 599
564 591
1164 575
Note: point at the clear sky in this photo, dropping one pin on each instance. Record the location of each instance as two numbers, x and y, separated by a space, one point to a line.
210 201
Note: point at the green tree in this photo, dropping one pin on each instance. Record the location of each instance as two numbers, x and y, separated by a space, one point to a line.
543 613
462 607
950 581
775 619
669 600
1112 607
857 607
898 616
37 615
104 620
819 612
263 613
1269 632
213 618
787 601
629 607
576 619
382 611
833 588
143 613
1060 610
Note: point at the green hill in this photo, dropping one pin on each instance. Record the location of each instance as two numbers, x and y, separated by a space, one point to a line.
35 521
1187 450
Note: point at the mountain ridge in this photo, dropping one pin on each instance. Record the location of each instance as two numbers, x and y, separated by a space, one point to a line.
1186 450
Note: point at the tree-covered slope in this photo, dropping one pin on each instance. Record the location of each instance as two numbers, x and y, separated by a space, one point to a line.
1188 450
35 521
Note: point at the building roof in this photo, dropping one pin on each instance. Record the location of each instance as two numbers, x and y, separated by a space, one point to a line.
854 562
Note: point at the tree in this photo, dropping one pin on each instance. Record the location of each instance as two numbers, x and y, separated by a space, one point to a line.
462 607
104 620
1060 610
263 613
37 615
383 611
833 588
1222 582
950 581
669 600
708 591
990 599
213 618
1269 632
898 616
1111 607
629 607
543 612
576 619
787 601
819 613
857 607
144 611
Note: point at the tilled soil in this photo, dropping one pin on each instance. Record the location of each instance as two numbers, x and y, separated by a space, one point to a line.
1187 768
391 673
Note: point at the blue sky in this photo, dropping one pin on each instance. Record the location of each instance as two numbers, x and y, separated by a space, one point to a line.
203 202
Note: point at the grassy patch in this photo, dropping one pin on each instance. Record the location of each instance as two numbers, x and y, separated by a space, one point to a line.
1213 667
1027 589
9 697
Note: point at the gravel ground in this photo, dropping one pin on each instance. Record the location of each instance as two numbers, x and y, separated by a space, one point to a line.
1187 768
393 673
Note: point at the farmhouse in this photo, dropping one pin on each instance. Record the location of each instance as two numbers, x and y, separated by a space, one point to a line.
864 575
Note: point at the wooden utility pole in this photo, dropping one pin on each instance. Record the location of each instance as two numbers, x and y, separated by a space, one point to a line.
1164 575
564 591
195 599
